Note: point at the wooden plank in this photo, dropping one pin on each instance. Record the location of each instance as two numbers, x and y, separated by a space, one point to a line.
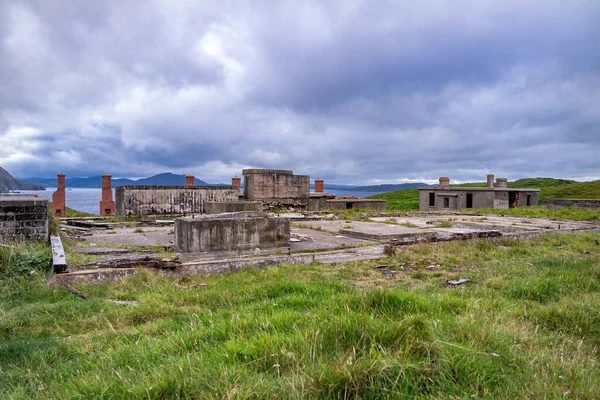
148 261
59 259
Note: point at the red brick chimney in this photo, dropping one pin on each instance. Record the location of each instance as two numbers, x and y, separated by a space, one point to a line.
189 180
319 185
236 182
107 205
58 197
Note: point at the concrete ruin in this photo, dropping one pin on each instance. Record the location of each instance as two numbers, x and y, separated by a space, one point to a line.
231 232
107 205
276 186
23 217
156 200
59 197
445 197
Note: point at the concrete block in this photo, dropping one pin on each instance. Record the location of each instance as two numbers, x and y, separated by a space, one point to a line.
232 231
278 186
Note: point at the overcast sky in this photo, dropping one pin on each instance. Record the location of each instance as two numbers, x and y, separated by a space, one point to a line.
350 91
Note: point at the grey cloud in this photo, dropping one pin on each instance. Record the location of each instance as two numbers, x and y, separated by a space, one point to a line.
350 91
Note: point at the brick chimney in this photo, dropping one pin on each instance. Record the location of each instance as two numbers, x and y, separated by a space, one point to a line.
236 182
107 205
319 185
58 197
444 181
189 180
490 180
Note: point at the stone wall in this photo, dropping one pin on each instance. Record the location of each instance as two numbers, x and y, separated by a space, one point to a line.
231 232
576 203
23 217
155 200
276 186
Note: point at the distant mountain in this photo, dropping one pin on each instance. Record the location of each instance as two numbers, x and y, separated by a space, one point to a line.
8 183
165 179
387 187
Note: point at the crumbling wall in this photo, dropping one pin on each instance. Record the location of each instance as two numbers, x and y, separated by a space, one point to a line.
155 200
276 186
23 217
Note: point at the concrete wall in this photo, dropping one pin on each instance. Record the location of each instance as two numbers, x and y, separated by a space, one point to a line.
456 199
576 203
501 200
232 206
23 217
154 200
234 231
317 203
282 186
362 204
482 198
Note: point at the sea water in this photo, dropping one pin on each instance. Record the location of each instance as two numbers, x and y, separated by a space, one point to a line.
80 199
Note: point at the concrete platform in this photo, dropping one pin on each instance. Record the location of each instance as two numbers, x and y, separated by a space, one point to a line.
377 231
230 232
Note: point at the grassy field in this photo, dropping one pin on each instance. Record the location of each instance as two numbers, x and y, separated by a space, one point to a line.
526 325
406 200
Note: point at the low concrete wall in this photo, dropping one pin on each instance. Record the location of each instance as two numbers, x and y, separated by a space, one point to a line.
232 231
154 200
363 204
280 186
213 207
576 203
23 217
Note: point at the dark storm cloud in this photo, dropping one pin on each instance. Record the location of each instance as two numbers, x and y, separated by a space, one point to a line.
354 91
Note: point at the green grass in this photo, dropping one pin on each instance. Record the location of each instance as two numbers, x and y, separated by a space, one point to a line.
525 326
579 214
402 200
408 199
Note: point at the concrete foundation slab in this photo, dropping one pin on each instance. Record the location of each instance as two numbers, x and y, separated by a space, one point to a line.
231 231
380 231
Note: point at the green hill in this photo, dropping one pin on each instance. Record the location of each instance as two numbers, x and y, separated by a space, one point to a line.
549 188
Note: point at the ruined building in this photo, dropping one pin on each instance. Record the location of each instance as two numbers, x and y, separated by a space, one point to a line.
501 196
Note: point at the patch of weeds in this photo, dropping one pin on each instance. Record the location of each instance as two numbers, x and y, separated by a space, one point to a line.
24 259
347 227
408 224
138 230
444 224
111 232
